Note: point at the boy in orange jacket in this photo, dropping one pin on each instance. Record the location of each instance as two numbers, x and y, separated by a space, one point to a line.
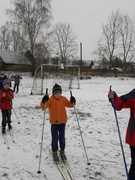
6 96
58 118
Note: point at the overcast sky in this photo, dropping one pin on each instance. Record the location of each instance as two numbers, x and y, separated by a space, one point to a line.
85 16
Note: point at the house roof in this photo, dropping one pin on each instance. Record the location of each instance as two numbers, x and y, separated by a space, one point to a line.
14 57
30 57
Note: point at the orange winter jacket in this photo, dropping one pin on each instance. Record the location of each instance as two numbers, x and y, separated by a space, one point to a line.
57 109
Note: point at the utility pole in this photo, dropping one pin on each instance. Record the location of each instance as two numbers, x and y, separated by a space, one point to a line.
81 60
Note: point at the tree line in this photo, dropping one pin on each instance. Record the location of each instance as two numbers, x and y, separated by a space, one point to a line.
29 28
116 47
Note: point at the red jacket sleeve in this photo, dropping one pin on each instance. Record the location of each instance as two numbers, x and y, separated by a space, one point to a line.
120 104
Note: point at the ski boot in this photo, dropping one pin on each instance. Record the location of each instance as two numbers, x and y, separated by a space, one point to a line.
3 130
9 126
63 156
55 157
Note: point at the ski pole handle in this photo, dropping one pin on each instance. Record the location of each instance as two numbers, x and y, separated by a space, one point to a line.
110 89
46 91
71 93
46 95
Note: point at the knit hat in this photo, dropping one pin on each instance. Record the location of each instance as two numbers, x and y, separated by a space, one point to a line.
56 89
2 73
6 81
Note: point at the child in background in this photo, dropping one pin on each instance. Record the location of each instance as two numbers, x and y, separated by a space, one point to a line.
6 96
58 118
3 77
16 78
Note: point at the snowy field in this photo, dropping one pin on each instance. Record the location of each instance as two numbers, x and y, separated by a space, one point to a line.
98 126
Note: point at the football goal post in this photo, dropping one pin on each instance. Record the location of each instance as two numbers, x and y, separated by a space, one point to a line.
47 75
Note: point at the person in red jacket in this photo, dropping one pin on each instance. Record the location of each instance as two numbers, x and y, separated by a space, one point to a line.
58 118
6 96
127 101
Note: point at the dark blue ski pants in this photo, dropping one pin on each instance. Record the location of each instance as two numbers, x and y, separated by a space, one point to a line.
16 86
58 134
132 167
6 117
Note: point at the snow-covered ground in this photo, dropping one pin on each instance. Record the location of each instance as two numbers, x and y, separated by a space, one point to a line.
98 127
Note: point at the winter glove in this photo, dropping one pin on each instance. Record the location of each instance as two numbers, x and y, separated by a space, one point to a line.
72 100
45 98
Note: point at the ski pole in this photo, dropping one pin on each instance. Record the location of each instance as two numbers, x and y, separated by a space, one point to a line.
88 163
120 139
16 115
14 112
42 137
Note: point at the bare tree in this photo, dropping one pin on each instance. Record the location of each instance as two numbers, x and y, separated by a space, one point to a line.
5 37
32 16
18 42
108 44
15 39
41 53
64 42
127 40
11 38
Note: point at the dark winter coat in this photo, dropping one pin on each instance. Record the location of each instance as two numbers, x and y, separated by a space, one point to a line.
1 81
16 79
128 101
6 102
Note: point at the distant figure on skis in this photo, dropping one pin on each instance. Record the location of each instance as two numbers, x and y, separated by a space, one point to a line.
6 96
127 101
58 118
16 78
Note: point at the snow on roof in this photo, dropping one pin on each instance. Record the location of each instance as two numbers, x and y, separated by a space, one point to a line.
14 57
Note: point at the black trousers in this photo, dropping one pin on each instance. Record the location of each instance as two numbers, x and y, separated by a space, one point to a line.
16 86
132 167
58 134
6 117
